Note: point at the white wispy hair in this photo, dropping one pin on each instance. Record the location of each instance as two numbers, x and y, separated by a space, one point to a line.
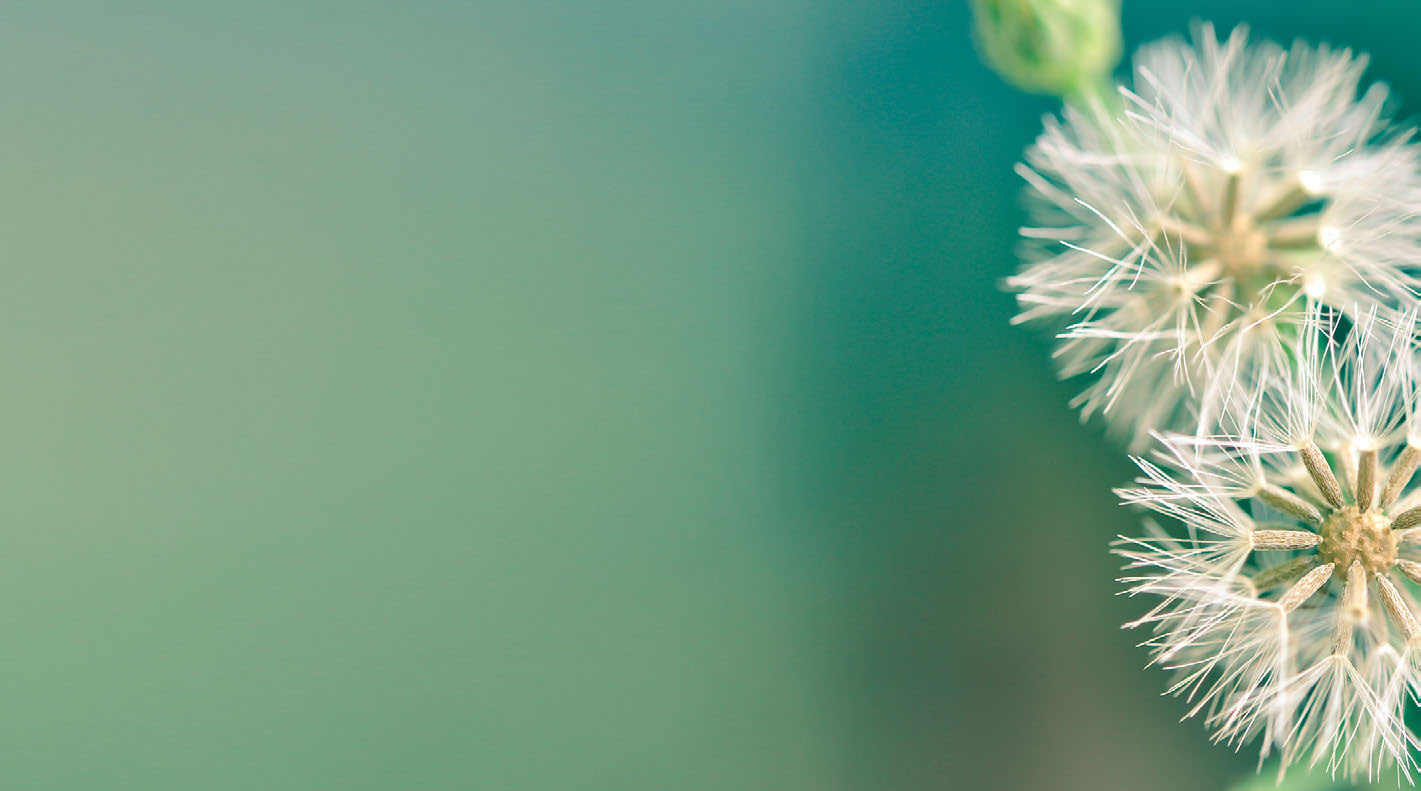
1181 237
1351 385
1286 612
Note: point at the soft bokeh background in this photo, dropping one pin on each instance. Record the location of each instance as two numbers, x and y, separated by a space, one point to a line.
600 395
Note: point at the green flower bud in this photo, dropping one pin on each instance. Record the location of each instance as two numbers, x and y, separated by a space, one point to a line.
1061 47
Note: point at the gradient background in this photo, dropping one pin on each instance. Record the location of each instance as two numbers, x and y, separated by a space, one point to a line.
601 395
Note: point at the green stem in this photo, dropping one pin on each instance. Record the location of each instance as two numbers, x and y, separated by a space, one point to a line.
1098 95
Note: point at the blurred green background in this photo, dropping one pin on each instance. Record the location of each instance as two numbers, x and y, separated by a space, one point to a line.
601 395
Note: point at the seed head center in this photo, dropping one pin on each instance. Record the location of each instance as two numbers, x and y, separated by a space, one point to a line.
1241 246
1351 535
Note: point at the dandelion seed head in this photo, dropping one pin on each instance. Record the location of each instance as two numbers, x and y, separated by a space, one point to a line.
1180 242
1285 610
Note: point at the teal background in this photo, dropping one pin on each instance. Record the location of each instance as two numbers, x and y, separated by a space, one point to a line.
602 395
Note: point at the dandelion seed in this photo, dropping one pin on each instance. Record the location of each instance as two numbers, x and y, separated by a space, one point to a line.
1181 242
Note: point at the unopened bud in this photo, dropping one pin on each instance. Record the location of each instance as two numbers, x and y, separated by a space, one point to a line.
1059 47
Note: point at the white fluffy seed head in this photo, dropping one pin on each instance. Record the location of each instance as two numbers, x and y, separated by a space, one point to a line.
1281 572
1179 246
